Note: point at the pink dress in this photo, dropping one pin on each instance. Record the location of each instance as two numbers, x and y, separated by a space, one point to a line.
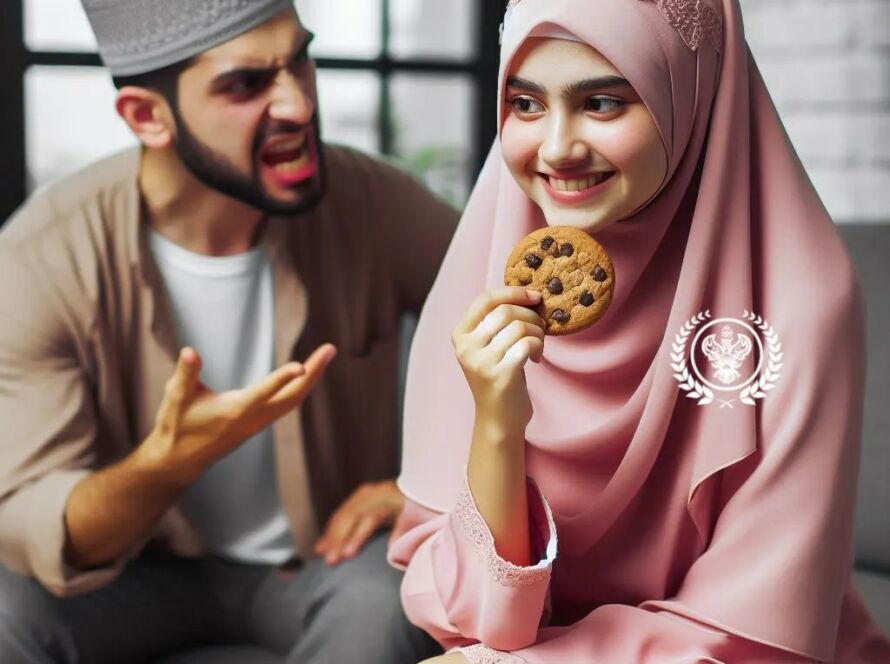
669 526
608 607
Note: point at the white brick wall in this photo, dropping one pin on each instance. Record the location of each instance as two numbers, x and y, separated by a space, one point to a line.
827 66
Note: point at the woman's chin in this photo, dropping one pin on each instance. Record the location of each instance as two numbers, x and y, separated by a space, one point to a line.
590 221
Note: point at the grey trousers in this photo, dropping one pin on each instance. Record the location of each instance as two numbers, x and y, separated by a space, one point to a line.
163 605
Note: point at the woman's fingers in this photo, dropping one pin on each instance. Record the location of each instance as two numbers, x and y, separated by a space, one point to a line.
510 335
520 352
488 301
497 320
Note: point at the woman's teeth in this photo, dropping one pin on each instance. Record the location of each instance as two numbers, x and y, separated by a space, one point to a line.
578 184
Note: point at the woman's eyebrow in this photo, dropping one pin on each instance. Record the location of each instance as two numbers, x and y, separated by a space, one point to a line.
589 85
523 84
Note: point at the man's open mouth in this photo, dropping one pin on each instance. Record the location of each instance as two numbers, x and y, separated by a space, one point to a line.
290 160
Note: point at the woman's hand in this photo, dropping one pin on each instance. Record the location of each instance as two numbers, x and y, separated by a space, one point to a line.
496 337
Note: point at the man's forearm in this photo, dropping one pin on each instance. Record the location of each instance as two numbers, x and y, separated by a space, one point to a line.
113 509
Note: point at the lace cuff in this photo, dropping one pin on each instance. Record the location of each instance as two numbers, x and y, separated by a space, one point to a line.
480 654
543 535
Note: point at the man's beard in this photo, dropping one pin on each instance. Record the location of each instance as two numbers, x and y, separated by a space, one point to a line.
218 173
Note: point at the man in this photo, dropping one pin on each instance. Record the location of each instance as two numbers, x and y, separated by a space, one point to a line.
162 483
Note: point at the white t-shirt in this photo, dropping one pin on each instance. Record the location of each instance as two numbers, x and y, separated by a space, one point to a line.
223 307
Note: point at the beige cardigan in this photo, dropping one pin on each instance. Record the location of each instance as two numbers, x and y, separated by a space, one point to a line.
87 342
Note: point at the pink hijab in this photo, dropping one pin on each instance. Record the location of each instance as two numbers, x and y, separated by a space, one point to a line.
736 227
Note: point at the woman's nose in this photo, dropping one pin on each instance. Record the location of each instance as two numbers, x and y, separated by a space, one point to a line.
563 145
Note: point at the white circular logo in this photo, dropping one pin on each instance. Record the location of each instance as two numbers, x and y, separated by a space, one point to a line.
727 355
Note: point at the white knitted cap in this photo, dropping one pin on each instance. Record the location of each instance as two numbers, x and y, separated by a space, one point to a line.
139 36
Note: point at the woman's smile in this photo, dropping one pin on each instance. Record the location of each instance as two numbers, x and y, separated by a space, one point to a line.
577 189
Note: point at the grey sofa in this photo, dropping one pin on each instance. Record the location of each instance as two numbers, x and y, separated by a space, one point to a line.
869 247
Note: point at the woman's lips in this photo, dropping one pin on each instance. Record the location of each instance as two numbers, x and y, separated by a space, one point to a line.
578 188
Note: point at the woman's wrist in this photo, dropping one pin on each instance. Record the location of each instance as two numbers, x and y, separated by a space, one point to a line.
493 427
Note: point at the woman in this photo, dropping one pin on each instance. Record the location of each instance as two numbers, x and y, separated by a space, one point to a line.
579 508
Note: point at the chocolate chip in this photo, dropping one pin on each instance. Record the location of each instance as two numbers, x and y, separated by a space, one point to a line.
534 262
586 299
555 286
599 274
566 250
561 316
547 242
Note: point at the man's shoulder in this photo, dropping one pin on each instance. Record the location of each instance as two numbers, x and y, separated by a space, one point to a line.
346 164
66 206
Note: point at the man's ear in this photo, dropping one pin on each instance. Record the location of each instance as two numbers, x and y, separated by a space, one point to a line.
148 115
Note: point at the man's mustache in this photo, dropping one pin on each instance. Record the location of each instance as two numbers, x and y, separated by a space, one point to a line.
274 128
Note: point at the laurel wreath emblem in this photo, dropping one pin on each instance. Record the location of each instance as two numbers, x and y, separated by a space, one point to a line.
758 389
769 376
688 383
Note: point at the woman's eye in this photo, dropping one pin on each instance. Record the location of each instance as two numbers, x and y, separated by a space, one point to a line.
526 105
603 104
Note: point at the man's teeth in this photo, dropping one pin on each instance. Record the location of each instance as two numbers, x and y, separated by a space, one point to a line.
577 184
286 146
287 166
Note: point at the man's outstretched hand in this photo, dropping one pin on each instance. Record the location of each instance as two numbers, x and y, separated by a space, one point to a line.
371 507
195 426
113 509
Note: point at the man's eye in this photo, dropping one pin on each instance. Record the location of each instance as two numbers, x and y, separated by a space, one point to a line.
526 105
603 104
247 85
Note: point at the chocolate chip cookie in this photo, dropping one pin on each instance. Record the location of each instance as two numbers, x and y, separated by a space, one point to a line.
571 270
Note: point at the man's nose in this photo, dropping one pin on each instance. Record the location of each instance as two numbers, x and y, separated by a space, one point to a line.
291 100
563 145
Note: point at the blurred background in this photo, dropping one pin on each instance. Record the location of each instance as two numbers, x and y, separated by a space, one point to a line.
415 79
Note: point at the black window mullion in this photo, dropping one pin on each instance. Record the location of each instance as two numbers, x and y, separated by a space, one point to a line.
384 118
13 177
488 50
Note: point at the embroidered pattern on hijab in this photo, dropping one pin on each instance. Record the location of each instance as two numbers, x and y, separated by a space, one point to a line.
695 20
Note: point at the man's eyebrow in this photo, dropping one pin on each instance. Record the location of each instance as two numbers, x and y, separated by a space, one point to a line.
523 84
221 80
589 85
